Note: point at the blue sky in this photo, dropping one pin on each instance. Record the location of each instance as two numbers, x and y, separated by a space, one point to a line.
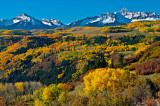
70 10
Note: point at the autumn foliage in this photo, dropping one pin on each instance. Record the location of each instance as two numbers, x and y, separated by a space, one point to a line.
148 67
107 79
69 66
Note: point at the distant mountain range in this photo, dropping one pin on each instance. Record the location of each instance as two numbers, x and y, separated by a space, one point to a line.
123 16
27 22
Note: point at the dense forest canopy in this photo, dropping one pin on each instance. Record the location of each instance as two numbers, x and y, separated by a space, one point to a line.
81 65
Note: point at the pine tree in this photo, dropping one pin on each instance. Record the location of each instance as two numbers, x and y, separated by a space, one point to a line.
120 60
111 65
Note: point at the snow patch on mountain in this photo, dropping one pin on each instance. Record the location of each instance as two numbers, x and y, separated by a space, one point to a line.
52 22
98 19
46 22
108 20
56 22
146 19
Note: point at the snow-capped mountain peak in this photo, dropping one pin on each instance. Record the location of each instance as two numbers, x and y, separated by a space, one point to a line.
55 22
46 22
25 21
22 17
139 16
52 22
116 18
124 10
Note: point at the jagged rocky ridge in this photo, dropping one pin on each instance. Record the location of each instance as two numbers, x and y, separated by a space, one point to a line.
116 18
27 22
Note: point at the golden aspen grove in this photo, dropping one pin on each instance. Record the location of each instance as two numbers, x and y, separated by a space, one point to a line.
81 66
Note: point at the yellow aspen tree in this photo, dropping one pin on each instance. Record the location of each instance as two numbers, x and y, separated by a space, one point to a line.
47 95
19 86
